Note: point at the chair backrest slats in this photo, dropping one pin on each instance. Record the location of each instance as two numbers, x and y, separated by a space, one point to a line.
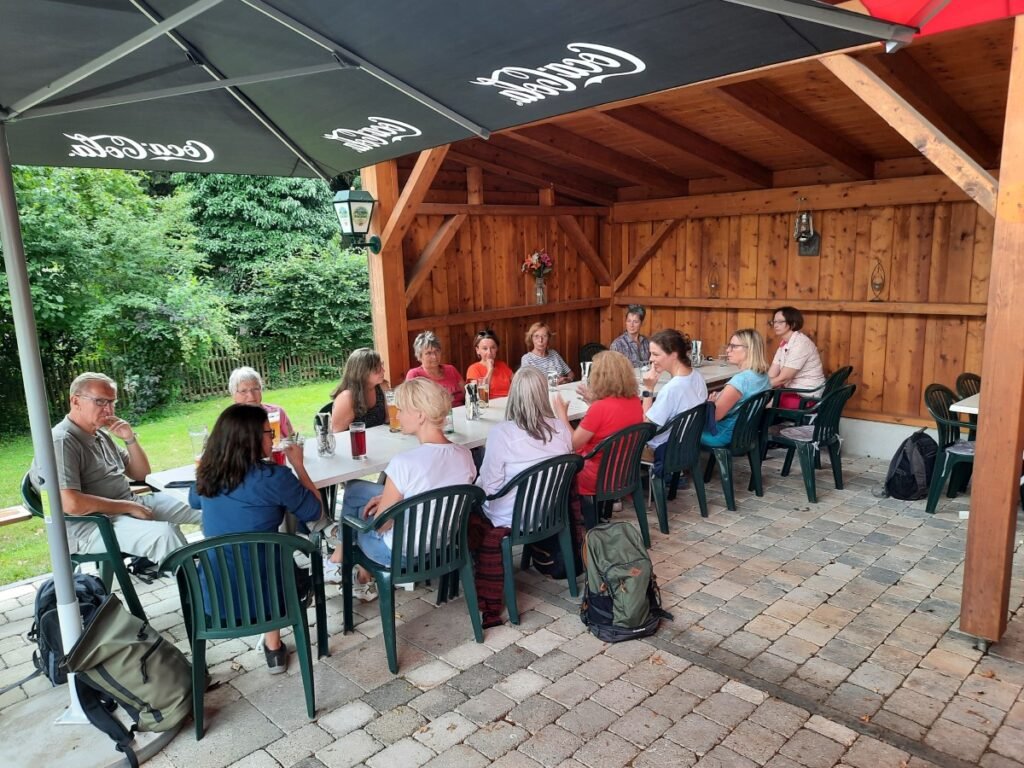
541 498
746 433
938 399
830 410
682 449
619 456
836 380
968 384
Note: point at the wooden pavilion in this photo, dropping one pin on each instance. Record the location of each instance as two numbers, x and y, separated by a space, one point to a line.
685 200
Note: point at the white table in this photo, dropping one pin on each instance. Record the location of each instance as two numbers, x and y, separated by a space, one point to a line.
967 405
382 445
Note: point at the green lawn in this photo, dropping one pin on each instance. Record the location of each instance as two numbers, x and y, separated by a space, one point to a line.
164 434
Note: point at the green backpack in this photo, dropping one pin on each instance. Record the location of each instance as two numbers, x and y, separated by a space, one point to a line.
621 600
120 659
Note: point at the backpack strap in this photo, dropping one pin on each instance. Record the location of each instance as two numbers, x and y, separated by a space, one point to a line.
38 671
100 711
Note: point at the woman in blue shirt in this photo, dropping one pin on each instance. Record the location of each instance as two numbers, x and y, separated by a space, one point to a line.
745 350
240 490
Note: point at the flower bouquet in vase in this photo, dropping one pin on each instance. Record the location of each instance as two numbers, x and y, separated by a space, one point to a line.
540 265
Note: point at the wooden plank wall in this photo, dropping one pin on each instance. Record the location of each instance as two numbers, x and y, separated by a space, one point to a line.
479 273
932 254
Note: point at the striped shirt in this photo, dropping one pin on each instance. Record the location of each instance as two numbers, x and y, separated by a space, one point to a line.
550 363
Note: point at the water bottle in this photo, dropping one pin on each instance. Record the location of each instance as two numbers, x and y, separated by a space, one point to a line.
449 424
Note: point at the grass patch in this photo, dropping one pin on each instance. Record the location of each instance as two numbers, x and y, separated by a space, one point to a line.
164 435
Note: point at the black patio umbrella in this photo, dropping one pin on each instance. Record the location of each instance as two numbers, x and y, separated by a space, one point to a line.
316 87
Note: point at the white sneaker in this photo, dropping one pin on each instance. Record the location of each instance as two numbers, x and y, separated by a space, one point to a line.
332 572
365 593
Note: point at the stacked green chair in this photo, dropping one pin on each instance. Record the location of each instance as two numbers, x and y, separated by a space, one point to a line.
110 561
431 529
955 459
807 440
682 453
252 589
541 510
808 399
618 476
747 439
968 384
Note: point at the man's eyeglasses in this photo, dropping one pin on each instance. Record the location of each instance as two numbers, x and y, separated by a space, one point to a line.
101 402
249 391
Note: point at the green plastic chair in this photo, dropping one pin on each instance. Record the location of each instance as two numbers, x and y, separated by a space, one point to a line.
682 452
955 460
747 439
249 601
110 561
591 348
618 476
808 397
432 529
806 441
541 510
968 384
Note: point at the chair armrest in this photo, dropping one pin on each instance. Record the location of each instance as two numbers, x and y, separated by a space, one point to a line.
371 523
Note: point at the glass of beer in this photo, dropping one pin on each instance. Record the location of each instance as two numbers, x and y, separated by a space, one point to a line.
274 417
357 438
483 392
197 436
389 398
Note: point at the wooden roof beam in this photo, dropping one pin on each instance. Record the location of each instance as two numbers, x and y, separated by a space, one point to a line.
502 162
758 103
919 88
660 235
585 249
586 152
413 193
953 161
703 150
434 250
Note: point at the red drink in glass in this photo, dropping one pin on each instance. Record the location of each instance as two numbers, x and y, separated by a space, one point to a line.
278 456
357 437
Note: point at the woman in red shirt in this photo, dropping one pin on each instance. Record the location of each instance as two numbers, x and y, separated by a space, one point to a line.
614 405
490 370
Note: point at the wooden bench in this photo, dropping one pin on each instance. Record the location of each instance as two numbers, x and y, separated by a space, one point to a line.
16 514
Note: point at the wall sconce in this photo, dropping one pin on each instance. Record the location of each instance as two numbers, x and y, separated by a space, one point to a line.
808 241
713 282
877 280
355 209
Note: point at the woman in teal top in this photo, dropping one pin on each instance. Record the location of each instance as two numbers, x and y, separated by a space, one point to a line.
746 350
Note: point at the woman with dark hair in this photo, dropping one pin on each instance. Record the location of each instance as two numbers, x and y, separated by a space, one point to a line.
360 394
635 346
797 363
746 351
491 371
670 352
427 348
240 490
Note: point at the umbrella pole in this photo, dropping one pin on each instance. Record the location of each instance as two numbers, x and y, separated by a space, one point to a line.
39 416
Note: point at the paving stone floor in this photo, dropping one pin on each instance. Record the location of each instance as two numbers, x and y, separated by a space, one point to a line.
804 635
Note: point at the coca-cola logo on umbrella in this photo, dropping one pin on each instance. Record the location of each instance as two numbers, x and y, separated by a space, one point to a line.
593 64
123 148
380 132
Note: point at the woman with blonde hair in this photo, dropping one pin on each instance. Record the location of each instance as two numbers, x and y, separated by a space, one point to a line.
435 463
746 351
427 348
614 406
360 394
540 356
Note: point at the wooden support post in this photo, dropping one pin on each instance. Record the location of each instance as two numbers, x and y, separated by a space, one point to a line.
475 185
387 275
995 490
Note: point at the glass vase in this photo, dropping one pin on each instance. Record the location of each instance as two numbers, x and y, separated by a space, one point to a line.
540 291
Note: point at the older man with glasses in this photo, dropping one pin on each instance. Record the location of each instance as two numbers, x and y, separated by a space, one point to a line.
95 475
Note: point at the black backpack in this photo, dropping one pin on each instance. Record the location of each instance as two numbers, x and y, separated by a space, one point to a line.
45 632
621 599
546 556
910 471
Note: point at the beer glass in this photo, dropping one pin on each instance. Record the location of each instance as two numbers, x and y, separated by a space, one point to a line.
483 392
357 437
389 398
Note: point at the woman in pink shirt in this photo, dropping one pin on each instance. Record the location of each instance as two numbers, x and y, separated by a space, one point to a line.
797 364
427 348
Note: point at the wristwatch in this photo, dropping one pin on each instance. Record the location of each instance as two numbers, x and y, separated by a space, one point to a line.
647 393
132 440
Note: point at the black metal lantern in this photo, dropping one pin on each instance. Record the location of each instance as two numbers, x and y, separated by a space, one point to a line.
355 210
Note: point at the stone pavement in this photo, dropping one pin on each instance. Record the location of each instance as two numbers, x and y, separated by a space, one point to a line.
804 636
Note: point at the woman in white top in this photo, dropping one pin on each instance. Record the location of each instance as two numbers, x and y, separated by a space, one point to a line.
670 351
436 463
547 360
530 435
797 363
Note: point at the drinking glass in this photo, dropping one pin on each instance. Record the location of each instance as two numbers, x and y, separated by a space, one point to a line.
357 437
274 417
389 398
197 436
483 392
